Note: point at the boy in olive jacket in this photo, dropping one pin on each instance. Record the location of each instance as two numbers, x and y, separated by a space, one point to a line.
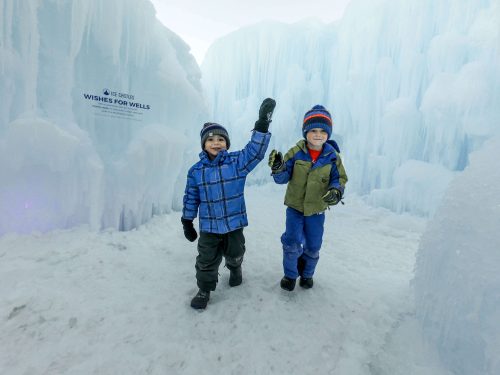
316 180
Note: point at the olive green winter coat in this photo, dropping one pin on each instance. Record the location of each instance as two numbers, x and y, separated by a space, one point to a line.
308 182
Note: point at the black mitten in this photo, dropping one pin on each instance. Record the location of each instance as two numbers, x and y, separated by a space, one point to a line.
189 231
275 161
332 197
265 115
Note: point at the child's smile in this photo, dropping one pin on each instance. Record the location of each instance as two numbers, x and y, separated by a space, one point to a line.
316 138
214 145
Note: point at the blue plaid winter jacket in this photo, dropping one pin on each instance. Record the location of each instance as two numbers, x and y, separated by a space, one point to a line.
215 187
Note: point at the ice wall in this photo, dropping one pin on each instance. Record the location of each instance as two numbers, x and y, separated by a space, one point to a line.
413 87
99 103
457 278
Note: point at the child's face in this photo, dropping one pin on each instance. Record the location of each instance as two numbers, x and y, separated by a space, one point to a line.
316 137
215 144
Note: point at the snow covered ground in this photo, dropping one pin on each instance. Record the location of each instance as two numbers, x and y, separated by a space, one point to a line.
80 302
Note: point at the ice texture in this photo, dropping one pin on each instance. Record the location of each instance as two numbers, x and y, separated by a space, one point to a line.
67 160
409 84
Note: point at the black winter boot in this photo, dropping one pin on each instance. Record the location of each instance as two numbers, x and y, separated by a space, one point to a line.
287 284
235 276
306 282
200 300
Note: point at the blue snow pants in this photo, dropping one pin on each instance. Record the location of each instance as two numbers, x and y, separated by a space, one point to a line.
302 239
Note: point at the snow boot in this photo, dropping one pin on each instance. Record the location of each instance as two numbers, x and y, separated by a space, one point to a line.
306 282
287 283
301 264
235 276
200 300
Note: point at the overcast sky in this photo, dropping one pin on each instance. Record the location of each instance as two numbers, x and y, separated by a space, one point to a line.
200 22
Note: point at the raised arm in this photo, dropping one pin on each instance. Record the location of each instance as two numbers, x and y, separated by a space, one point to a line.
281 167
254 151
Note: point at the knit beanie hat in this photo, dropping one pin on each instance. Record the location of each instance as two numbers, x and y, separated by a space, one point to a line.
317 117
210 129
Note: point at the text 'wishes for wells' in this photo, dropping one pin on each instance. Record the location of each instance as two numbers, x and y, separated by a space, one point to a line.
118 98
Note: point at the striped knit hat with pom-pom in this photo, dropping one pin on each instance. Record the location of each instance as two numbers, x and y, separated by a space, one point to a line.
317 117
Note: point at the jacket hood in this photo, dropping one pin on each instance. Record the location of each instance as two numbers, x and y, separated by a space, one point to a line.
334 145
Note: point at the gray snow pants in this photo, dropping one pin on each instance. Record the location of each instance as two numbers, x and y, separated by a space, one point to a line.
211 248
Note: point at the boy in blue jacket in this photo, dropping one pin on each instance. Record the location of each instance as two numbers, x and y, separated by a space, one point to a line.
316 180
214 189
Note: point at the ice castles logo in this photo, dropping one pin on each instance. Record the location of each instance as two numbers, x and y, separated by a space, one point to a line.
117 94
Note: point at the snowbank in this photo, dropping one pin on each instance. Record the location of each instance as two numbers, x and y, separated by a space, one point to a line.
457 278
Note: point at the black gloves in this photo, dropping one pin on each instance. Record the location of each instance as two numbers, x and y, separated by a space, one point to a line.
265 115
275 161
332 197
189 231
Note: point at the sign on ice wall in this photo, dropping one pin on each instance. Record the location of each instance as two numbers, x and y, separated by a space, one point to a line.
87 142
115 104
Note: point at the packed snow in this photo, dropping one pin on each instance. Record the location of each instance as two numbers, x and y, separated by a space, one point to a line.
80 302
